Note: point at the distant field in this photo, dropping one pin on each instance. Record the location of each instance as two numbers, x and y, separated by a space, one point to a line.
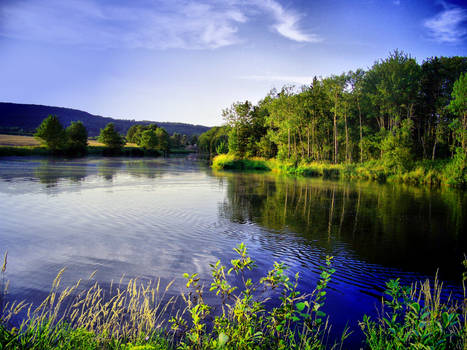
17 140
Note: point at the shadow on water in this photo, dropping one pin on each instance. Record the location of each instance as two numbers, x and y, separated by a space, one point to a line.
375 233
412 229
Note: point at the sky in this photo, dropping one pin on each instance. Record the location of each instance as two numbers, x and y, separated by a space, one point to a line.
185 61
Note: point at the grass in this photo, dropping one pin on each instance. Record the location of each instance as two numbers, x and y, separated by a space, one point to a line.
141 316
230 162
431 173
18 140
15 145
135 316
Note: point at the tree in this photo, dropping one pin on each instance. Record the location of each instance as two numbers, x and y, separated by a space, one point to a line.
77 138
51 134
111 138
210 140
162 140
149 140
458 106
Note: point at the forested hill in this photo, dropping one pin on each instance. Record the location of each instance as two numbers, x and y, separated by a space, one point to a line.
25 118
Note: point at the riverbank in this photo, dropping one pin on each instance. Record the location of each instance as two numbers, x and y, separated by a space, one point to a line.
127 151
20 145
141 316
437 173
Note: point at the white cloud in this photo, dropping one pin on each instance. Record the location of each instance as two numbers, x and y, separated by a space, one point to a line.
160 24
293 79
287 22
448 26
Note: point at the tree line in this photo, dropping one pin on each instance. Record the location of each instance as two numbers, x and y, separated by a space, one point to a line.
396 111
73 140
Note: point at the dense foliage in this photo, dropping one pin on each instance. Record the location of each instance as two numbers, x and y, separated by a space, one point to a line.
77 138
51 133
150 137
214 141
72 140
111 138
396 113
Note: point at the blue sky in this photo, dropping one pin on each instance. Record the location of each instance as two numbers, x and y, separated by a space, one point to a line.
184 61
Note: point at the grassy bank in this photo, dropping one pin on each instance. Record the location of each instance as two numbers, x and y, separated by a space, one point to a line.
19 145
451 172
142 316
91 150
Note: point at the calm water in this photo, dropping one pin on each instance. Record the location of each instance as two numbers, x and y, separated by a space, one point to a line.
159 218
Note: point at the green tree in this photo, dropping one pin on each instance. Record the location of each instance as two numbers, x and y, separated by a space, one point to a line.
175 140
149 140
458 106
162 140
396 147
77 138
51 134
111 138
209 141
134 133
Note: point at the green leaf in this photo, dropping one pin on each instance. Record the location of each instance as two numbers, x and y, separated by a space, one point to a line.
300 306
223 339
320 313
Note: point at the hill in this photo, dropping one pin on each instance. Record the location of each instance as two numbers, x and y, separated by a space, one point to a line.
25 118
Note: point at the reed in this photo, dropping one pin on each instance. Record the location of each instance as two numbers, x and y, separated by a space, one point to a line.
105 318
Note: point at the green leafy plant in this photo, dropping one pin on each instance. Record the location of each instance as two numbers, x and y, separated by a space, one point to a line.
415 318
243 320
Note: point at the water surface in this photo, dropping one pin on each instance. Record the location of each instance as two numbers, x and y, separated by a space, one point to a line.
159 218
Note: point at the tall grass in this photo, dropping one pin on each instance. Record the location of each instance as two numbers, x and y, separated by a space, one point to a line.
135 317
96 317
451 172
231 162
142 316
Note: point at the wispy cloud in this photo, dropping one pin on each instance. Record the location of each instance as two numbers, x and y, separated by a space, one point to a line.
293 79
159 24
448 26
287 22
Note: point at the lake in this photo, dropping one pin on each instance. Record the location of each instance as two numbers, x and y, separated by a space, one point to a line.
160 218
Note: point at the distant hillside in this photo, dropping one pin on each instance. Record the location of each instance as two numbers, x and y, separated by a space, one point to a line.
25 118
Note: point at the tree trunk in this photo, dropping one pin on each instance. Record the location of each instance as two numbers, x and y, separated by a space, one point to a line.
361 131
346 138
335 131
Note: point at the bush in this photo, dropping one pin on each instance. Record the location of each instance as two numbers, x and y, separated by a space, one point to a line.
455 171
415 319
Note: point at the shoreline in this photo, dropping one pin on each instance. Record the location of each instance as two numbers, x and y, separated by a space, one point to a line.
427 173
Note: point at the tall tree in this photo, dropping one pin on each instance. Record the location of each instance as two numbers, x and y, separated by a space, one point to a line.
111 138
77 138
458 105
51 133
